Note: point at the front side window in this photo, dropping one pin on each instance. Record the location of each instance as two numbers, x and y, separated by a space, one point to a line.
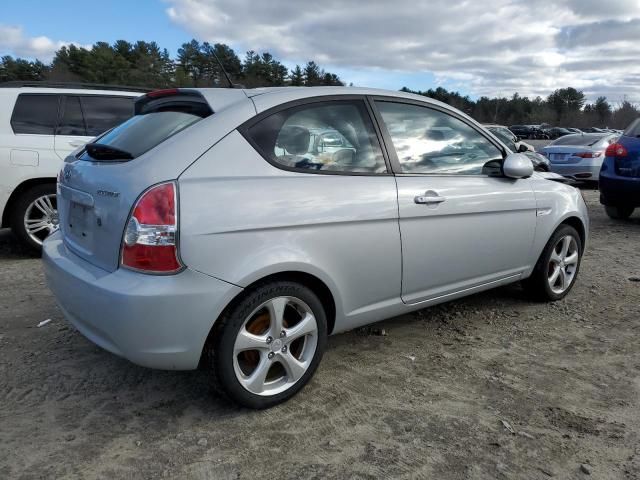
35 114
324 137
102 113
428 141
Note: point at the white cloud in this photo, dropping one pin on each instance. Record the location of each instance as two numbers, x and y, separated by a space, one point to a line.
490 47
14 42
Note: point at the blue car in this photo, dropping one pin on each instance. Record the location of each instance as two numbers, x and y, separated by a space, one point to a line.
620 174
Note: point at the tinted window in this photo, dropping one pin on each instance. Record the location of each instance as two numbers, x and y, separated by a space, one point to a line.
430 141
103 113
143 132
35 114
329 137
72 122
505 136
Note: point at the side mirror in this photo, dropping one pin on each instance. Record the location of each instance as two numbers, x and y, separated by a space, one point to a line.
522 148
517 165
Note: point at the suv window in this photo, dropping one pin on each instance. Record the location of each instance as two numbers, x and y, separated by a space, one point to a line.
103 113
335 136
35 114
72 122
433 142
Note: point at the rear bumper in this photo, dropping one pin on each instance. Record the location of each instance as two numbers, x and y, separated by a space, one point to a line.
154 321
619 191
578 171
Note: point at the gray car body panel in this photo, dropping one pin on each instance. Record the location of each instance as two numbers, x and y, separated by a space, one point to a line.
242 219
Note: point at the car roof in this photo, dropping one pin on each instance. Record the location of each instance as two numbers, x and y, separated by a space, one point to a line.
75 91
267 97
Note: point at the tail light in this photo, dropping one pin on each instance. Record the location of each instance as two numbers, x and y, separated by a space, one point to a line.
616 150
150 239
587 154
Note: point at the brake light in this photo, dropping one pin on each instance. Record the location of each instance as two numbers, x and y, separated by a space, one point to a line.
587 154
149 243
167 92
616 150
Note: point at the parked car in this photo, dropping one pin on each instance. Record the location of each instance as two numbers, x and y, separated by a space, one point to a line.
574 130
197 234
557 132
579 157
506 136
40 124
620 174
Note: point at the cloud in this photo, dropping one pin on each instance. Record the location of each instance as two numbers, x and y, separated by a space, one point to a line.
13 41
493 47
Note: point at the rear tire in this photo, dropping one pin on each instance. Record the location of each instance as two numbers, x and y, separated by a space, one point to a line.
619 213
36 207
557 269
266 347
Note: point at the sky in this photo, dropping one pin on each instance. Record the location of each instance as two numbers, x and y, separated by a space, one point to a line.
482 47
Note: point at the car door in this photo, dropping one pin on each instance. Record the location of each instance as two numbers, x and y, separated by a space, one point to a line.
71 131
463 225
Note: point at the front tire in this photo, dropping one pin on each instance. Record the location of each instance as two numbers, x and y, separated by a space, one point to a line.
619 213
557 268
35 215
266 347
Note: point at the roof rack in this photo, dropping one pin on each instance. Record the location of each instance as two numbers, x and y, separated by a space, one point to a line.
93 86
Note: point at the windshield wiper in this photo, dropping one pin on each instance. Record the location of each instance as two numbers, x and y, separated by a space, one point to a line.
99 151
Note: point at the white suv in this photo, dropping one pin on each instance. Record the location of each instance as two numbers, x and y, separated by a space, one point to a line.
39 126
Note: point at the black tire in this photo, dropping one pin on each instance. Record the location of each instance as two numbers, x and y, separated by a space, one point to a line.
19 208
618 213
219 354
537 285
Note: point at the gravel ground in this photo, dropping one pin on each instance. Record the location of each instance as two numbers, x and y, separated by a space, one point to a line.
493 386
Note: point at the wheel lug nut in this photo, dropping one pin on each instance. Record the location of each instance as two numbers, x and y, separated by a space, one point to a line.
283 334
270 356
284 349
269 340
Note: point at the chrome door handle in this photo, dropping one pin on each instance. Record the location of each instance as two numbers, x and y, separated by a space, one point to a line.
76 143
429 197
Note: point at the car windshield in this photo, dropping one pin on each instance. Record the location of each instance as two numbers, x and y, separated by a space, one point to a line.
633 130
505 137
142 132
587 140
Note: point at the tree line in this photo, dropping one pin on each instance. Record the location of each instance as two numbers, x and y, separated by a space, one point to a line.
145 64
565 107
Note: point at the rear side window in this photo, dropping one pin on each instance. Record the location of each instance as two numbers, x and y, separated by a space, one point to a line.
35 114
72 121
102 113
325 137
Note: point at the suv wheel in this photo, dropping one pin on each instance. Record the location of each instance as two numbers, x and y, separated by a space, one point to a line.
35 215
557 269
619 213
269 344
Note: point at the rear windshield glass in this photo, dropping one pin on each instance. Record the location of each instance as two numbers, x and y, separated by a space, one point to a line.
143 132
633 130
579 140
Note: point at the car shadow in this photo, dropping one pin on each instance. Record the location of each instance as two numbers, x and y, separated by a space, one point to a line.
11 248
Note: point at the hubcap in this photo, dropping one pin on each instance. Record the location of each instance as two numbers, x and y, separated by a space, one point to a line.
275 346
41 218
563 264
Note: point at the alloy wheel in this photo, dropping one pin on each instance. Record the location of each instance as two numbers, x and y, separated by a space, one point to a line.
275 346
41 218
563 264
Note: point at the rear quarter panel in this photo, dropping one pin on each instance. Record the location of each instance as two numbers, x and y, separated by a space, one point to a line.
243 219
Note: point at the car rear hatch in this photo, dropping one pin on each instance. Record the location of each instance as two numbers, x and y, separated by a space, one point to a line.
99 184
629 165
569 154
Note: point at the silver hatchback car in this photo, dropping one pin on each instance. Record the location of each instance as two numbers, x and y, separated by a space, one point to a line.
212 229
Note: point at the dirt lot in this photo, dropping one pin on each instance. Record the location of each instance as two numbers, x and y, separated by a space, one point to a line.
427 400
